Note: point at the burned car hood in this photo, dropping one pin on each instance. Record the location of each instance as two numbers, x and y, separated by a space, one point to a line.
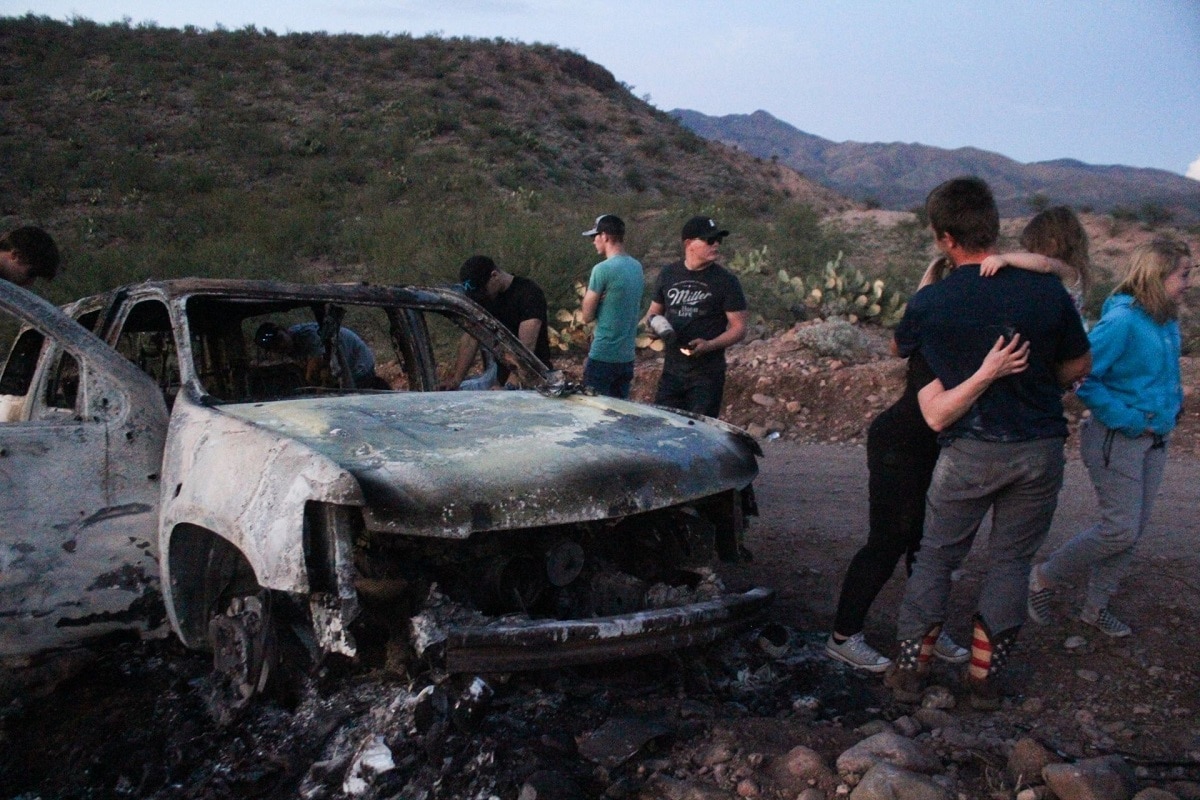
451 463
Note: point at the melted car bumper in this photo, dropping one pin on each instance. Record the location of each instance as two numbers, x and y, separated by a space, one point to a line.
541 644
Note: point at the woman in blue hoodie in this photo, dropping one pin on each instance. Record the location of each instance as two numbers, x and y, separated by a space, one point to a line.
1135 396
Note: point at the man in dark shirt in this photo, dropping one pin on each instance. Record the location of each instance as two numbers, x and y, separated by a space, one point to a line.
519 303
1004 455
27 253
706 309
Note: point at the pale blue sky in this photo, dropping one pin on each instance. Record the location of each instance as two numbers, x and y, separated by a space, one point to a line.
1102 81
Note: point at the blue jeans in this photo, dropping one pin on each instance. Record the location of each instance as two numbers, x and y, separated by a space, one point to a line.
699 393
608 377
1018 482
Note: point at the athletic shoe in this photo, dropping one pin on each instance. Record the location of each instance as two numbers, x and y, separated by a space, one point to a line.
948 651
1038 601
1105 622
857 653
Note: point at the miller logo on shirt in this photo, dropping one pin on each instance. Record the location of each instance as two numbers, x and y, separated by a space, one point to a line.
684 299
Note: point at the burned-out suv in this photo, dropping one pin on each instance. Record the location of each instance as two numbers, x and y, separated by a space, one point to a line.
171 460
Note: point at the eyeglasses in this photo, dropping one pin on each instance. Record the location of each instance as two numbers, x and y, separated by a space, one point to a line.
711 240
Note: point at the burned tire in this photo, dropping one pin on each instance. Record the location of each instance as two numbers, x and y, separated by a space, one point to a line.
251 632
245 654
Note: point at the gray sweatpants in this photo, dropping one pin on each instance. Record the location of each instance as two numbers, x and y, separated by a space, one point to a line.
1019 483
1126 473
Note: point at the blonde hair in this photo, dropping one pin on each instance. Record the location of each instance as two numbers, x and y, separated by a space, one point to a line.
1057 233
1149 267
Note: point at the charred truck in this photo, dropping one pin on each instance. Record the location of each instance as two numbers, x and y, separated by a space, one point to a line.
159 466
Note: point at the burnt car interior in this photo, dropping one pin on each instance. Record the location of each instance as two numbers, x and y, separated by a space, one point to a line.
233 368
414 349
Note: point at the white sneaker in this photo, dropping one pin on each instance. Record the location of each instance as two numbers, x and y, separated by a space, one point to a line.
857 653
948 651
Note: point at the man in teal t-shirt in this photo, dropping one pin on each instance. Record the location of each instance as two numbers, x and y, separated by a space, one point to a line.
613 299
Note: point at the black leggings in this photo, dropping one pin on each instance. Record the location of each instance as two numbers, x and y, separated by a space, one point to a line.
899 479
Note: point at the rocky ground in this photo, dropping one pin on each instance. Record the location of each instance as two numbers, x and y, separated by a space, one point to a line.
765 715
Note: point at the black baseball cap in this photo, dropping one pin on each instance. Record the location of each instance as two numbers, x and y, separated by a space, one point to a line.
607 223
269 335
703 228
474 274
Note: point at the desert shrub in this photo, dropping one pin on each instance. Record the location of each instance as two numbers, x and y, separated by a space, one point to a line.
1154 214
687 141
801 244
574 122
1038 202
653 147
636 180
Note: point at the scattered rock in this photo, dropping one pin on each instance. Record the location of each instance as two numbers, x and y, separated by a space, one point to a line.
719 753
1185 790
675 789
888 782
1027 760
1106 778
747 788
799 768
891 748
874 726
1154 794
1040 792
934 718
938 697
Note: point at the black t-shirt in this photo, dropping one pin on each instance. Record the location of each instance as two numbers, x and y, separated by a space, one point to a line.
955 322
522 300
695 303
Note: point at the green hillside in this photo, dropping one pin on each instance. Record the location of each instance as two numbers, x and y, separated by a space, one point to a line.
152 152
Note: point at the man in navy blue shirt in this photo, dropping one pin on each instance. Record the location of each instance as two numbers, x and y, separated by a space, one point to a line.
1004 455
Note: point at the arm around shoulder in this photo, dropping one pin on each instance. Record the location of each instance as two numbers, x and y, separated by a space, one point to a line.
942 407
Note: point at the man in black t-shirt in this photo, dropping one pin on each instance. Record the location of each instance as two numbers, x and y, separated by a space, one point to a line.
27 253
704 305
519 303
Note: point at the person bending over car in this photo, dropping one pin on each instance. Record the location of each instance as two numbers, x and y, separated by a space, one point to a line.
302 343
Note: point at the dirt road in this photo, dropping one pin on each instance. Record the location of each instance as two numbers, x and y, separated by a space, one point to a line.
813 504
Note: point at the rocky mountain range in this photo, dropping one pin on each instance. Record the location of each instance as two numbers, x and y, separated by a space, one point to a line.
897 175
